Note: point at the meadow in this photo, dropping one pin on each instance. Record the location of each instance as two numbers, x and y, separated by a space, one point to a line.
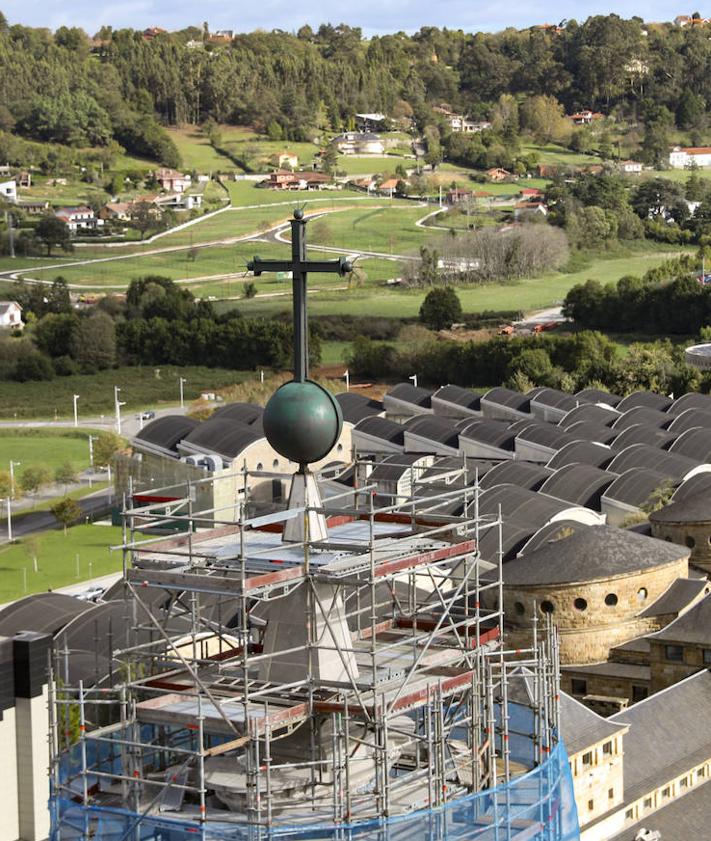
47 447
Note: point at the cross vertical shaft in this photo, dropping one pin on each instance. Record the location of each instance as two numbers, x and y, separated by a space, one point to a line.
301 328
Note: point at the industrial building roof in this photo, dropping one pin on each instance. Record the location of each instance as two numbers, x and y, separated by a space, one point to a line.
439 430
687 817
652 458
520 506
544 434
393 467
644 398
409 393
582 484
677 596
244 412
521 473
690 419
597 395
382 428
635 486
591 413
589 554
642 414
513 537
586 452
694 443
555 398
167 432
508 397
491 432
678 717
355 406
224 436
42 612
692 509
642 433
691 487
692 400
551 531
591 431
464 397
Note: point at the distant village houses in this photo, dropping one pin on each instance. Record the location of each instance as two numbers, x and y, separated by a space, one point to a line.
307 180
10 315
359 143
460 123
586 117
682 157
8 191
172 180
80 218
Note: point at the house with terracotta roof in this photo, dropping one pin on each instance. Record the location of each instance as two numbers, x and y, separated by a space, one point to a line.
586 117
389 185
287 159
497 174
682 157
530 192
116 211
172 180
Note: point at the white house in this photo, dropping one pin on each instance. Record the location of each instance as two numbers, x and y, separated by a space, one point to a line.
172 180
459 123
631 167
8 190
682 157
359 143
10 315
78 218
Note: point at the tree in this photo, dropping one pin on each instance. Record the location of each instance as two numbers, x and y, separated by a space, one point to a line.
52 231
250 289
329 158
544 117
145 216
94 343
5 485
106 445
66 512
34 477
31 546
65 474
441 308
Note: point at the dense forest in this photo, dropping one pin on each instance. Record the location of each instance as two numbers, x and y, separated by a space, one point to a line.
119 86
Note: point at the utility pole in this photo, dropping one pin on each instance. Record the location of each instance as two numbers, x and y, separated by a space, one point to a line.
76 416
13 465
182 382
10 233
9 521
414 379
118 404
347 377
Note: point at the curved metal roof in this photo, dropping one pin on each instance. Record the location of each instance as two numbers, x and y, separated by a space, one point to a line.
244 412
552 531
635 486
523 474
700 483
590 413
513 537
590 431
223 436
649 399
642 433
382 428
585 452
463 397
391 468
597 395
409 393
644 457
694 443
642 414
167 432
42 612
355 406
691 400
545 434
520 506
689 419
434 429
508 397
581 484
554 398
491 432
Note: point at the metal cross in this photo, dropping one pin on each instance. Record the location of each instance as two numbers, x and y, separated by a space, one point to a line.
299 266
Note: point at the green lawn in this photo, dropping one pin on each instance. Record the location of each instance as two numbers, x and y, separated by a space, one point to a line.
197 153
57 560
554 154
140 388
47 447
354 165
332 353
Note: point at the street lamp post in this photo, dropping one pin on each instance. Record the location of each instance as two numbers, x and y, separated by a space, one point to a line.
182 382
118 404
76 416
414 379
13 465
9 521
347 377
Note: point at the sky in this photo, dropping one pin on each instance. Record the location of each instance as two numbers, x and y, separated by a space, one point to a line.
373 16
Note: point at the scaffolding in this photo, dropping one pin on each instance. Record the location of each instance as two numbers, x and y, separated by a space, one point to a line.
353 688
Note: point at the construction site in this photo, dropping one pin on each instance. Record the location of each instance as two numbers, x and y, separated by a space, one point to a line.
325 671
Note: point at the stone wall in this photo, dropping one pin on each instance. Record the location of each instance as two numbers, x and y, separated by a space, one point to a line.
597 778
665 672
696 536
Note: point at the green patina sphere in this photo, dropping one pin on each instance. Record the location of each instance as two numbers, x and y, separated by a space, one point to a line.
302 421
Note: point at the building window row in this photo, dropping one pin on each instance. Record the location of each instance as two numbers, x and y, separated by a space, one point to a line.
581 604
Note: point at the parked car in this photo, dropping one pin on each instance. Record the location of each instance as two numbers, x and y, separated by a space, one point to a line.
149 415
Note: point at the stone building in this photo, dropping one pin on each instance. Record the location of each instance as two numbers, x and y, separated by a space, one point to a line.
682 647
596 582
686 520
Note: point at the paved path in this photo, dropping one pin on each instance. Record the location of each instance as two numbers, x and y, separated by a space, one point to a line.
95 505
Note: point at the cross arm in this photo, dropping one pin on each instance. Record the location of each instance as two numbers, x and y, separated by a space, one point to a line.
341 266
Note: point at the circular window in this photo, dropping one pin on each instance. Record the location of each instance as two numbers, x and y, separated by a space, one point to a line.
690 542
580 604
547 607
610 599
275 463
668 539
260 466
641 594
519 608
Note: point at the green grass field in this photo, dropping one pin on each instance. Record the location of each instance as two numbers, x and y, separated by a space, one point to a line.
47 447
197 153
354 165
57 560
140 388
554 154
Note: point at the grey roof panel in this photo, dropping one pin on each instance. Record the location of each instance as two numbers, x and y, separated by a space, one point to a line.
42 612
694 443
168 431
644 415
409 393
586 452
591 431
645 398
435 429
589 412
520 505
676 597
597 395
651 458
520 473
687 817
693 626
392 468
589 554
244 412
690 419
382 428
642 433
696 484
545 434
464 397
581 484
692 400
550 532
635 486
695 508
554 398
491 432
508 397
224 436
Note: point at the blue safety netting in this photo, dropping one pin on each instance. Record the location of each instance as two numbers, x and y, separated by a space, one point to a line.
536 806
